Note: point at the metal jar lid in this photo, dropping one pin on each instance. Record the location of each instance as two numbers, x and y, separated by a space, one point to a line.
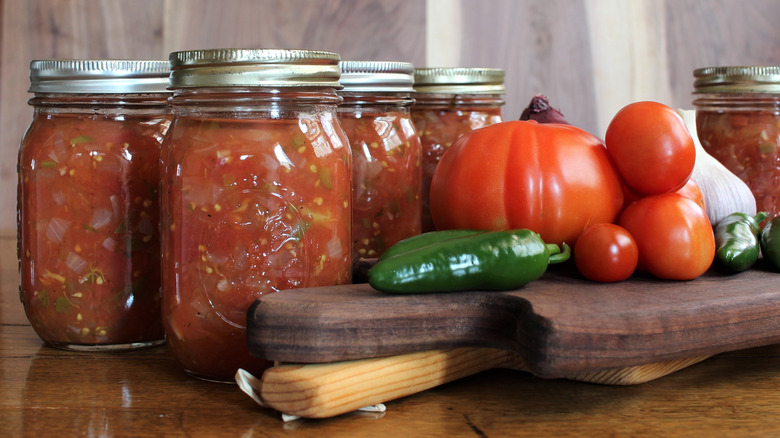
459 80
254 68
377 76
99 76
737 79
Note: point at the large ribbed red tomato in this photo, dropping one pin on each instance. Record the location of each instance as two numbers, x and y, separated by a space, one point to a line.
553 179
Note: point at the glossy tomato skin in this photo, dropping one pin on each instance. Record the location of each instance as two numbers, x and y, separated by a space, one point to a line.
606 252
550 178
673 234
689 190
651 147
692 191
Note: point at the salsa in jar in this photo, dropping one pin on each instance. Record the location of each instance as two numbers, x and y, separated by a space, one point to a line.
256 196
450 102
738 122
386 154
89 241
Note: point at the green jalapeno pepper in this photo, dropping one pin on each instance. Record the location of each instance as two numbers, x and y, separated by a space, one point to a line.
737 241
491 260
770 243
425 239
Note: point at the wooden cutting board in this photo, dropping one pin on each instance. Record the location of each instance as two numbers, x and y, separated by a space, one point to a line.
560 325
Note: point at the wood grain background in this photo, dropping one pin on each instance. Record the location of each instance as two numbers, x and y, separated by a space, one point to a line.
591 57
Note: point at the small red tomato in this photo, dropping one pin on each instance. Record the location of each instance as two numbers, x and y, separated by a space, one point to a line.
673 234
651 148
606 252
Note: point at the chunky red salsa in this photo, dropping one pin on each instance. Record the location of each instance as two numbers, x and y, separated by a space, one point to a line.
439 127
386 202
748 144
251 207
88 228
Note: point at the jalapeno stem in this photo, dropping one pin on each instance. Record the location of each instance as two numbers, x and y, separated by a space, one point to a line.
558 255
759 217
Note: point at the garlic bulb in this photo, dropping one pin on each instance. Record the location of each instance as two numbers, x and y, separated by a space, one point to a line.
724 193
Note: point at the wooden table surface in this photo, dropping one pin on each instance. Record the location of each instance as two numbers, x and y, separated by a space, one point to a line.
47 392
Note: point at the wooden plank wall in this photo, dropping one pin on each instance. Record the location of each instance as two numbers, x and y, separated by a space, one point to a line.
590 57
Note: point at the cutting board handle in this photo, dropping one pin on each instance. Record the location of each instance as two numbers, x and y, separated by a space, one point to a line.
329 389
325 390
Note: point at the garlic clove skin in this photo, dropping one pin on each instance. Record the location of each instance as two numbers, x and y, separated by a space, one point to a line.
724 193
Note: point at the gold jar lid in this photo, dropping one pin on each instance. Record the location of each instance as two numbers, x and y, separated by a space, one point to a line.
459 80
737 79
254 68
98 76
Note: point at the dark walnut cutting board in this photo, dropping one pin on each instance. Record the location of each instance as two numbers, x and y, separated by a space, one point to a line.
560 325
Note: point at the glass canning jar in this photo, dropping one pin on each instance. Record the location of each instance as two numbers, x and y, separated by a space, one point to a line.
88 211
450 102
738 122
386 154
256 195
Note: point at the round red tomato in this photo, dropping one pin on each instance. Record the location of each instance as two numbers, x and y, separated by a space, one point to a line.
673 234
550 178
606 252
651 147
